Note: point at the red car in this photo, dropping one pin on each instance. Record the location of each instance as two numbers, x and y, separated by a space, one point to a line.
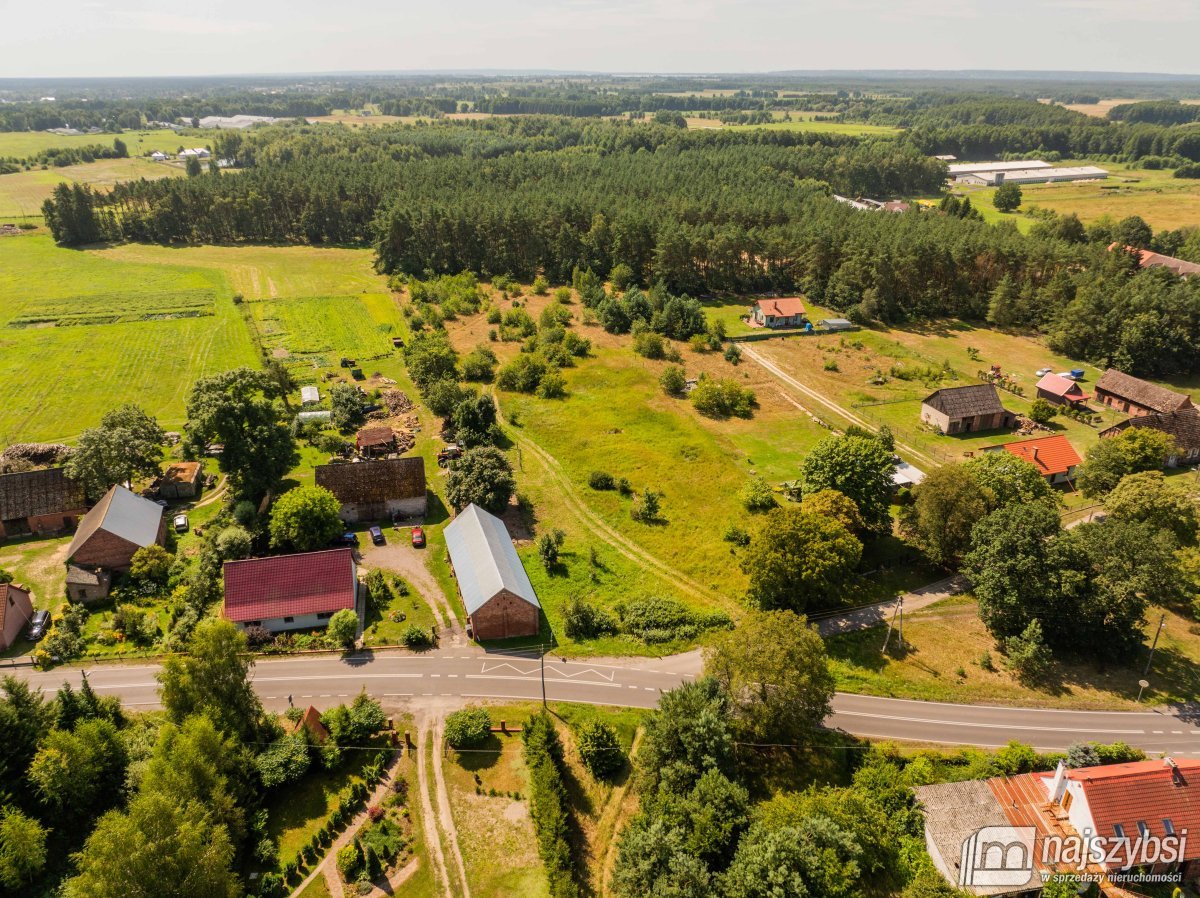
418 538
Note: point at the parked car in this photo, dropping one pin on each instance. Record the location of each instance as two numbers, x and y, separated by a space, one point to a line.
37 625
181 523
161 503
1042 372
349 538
376 536
418 537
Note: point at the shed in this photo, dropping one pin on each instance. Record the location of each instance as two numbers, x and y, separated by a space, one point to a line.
1062 391
16 608
1135 396
836 324
310 395
119 524
378 489
181 480
290 592
494 586
967 409
45 501
85 584
375 439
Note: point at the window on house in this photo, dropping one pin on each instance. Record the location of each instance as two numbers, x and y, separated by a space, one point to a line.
252 623
289 620
1143 829
1119 830
325 615
1168 826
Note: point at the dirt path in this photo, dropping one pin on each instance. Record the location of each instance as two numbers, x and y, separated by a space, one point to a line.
445 817
409 563
429 823
620 804
600 528
832 406
215 493
878 614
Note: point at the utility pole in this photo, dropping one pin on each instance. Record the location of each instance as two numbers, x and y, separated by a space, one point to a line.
1161 623
900 633
891 623
542 657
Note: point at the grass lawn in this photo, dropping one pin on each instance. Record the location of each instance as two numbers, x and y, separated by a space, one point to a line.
381 629
495 832
22 193
946 641
1162 200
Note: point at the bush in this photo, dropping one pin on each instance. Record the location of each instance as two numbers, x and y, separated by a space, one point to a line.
552 386
757 496
733 354
350 861
479 365
649 345
233 543
600 750
601 480
657 620
548 545
582 620
621 277
647 507
548 804
540 286
737 535
1028 655
468 727
257 635
1042 411
417 638
673 381
722 398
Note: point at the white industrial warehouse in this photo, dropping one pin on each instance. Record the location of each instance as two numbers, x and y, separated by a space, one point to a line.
1024 171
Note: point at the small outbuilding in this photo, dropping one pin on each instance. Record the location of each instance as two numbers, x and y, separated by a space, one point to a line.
310 395
494 586
85 584
290 592
375 439
377 490
786 311
16 608
116 527
1054 457
45 501
1135 396
966 409
181 480
1062 391
836 324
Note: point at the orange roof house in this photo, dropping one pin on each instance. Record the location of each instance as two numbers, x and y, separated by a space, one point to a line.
787 311
1054 457
1148 259
311 721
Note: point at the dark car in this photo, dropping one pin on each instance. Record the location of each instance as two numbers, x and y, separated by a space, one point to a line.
38 624
376 536
349 538
418 537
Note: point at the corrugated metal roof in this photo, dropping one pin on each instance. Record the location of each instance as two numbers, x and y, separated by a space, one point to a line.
485 560
121 513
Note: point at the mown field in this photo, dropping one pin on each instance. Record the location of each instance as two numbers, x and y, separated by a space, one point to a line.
22 194
20 144
1162 200
800 122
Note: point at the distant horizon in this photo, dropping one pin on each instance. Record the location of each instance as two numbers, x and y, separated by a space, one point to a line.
142 38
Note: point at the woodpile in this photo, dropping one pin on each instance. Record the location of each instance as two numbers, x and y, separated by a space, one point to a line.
36 454
396 402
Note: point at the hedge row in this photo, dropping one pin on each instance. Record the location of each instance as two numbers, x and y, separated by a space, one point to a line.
548 804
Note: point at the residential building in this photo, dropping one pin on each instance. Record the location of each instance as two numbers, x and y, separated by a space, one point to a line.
787 311
195 153
377 490
158 156
45 501
1148 259
375 439
1183 426
1054 457
16 608
1062 391
290 592
119 524
1135 396
966 409
494 586
181 480
1125 809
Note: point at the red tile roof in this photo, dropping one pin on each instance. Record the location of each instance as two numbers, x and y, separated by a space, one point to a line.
289 585
1148 259
784 307
1050 455
1146 792
1061 386
311 721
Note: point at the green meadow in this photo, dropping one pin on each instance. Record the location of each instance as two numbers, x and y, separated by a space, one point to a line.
21 144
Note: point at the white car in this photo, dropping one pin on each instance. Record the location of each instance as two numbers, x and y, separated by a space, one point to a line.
1042 372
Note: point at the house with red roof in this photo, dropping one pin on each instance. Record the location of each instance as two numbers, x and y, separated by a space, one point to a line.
1136 815
290 592
787 311
1062 391
1148 259
1054 457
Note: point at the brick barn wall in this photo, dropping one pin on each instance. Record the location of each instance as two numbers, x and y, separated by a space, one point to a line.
505 616
107 551
54 523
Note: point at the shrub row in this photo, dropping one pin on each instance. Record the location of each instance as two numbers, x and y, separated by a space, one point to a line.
548 804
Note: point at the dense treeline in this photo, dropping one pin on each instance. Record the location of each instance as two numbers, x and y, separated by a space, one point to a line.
1159 112
60 157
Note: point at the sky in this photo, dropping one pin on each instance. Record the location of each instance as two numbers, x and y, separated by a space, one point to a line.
98 38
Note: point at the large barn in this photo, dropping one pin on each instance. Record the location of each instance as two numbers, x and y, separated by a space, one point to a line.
377 490
966 409
495 589
39 502
119 524
1135 396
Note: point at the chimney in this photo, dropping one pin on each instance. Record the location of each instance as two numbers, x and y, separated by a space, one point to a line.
1035 455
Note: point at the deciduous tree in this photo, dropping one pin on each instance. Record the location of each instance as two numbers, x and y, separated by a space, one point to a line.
797 560
859 467
482 476
212 679
126 445
305 518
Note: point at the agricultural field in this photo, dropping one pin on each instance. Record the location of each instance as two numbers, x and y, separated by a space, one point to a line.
22 193
60 375
800 123
1162 200
944 660
20 144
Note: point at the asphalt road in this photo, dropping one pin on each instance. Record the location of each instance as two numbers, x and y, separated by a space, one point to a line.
400 678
